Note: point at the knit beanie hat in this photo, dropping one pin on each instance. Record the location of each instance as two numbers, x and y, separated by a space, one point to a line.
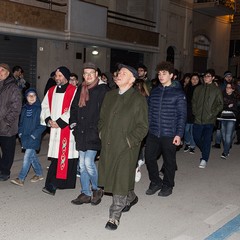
227 73
65 71
30 90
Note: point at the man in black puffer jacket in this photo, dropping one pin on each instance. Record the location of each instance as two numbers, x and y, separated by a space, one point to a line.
167 118
10 108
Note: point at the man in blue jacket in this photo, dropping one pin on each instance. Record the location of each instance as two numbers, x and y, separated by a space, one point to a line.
167 116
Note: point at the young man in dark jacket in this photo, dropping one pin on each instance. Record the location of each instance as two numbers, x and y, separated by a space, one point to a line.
167 116
10 108
207 103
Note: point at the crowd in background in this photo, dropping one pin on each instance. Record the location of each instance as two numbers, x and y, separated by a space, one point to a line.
88 116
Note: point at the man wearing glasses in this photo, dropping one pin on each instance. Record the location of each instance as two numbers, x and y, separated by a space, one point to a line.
207 102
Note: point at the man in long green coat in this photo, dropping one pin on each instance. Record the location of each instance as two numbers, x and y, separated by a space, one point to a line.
123 125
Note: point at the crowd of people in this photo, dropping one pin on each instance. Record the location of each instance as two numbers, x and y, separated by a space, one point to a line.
124 119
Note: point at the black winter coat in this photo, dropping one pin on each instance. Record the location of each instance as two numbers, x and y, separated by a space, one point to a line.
167 111
10 107
86 118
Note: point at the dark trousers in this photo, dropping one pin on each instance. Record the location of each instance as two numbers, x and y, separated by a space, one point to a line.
154 148
202 134
8 145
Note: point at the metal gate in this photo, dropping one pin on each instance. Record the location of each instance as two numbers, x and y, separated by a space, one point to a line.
20 51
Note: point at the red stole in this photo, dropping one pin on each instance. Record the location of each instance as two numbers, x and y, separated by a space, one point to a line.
62 165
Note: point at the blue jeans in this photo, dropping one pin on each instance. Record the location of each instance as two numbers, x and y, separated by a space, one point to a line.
30 158
202 134
188 135
88 171
218 137
227 130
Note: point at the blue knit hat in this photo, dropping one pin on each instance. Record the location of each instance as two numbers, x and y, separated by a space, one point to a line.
30 90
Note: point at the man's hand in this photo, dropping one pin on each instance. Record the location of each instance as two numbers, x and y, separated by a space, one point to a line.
177 140
53 124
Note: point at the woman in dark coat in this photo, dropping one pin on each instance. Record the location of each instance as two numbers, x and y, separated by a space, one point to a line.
188 134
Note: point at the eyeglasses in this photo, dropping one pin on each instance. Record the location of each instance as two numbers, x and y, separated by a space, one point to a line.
88 74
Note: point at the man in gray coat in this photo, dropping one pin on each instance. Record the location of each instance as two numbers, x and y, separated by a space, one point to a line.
10 108
123 125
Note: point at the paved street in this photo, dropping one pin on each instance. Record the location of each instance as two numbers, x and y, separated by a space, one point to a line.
205 204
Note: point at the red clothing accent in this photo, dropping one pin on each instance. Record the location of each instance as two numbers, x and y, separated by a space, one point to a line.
62 164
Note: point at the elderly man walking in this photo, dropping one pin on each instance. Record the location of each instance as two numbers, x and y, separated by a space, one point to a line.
123 125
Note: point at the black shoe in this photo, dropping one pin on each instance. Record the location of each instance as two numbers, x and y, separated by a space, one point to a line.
48 191
191 150
186 149
216 145
127 208
82 198
165 191
112 224
4 177
224 155
153 188
237 143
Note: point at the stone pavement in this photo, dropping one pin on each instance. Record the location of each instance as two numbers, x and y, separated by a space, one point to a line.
205 204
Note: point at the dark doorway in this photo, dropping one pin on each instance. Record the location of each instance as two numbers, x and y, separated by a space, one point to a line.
170 55
125 57
20 51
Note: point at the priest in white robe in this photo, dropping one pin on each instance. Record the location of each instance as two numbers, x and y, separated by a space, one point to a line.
62 152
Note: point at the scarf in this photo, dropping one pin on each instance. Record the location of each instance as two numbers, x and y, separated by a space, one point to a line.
84 95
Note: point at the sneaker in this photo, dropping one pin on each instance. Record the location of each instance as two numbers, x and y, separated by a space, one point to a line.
165 191
187 148
202 164
191 150
153 188
18 182
36 178
224 155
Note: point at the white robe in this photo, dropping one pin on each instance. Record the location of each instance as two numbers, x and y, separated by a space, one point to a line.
56 113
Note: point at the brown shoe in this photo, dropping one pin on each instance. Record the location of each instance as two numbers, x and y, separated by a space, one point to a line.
18 182
97 196
82 198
